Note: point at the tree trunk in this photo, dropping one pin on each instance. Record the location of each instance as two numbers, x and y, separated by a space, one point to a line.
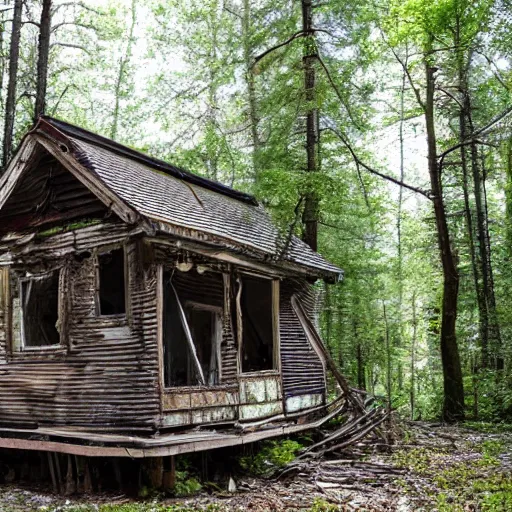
123 63
42 59
453 407
388 358
494 324
10 102
251 86
311 202
413 354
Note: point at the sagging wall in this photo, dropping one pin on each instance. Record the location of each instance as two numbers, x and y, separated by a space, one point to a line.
303 372
106 372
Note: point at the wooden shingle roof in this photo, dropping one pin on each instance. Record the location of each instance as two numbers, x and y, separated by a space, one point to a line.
167 194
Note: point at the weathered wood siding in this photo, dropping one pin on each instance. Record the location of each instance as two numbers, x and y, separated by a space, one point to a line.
302 369
106 373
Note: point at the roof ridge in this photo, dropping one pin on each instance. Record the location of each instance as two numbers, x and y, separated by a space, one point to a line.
73 131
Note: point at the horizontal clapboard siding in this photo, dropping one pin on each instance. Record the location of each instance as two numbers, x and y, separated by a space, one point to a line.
106 375
302 369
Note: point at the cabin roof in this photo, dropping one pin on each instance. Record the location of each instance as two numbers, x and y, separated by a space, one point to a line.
163 193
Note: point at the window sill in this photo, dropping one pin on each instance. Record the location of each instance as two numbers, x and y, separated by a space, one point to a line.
261 373
197 389
39 353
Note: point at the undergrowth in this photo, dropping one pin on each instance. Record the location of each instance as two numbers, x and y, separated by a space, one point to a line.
271 456
470 484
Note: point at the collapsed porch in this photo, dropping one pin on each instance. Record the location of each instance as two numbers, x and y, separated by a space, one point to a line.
91 444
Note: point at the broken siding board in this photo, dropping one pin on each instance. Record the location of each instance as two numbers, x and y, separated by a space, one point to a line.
109 377
302 369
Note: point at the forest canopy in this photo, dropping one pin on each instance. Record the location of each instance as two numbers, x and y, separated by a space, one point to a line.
379 132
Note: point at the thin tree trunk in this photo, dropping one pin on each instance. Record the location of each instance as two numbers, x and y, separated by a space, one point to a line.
361 380
251 86
494 323
483 324
388 358
399 225
124 62
413 354
311 203
453 407
2 59
42 58
10 102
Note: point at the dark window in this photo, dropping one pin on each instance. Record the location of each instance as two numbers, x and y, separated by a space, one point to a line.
191 337
257 324
40 310
204 325
112 298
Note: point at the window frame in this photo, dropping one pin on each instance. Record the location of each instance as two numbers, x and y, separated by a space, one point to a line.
97 282
218 312
276 338
61 315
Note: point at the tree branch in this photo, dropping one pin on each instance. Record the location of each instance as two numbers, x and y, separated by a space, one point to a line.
75 23
301 33
71 45
75 4
360 163
336 90
450 95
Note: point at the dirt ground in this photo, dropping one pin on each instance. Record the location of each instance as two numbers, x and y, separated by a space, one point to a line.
432 468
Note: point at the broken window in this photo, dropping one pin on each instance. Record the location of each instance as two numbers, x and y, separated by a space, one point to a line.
257 324
111 274
38 310
192 332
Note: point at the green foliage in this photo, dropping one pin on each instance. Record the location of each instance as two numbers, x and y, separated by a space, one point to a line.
186 484
271 456
321 505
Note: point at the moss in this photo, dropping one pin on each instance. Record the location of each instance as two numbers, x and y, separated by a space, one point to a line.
68 227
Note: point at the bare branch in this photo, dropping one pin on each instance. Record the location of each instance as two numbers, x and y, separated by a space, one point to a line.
71 45
360 163
450 95
75 23
485 129
75 4
406 71
495 70
301 33
444 154
336 90
30 22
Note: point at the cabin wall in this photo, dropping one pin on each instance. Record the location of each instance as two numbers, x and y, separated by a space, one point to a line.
106 372
303 373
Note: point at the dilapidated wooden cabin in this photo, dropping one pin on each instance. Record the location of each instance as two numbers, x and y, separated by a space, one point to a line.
138 300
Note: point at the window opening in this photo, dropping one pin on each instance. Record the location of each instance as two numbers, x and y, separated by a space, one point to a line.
257 324
192 334
205 325
39 301
112 293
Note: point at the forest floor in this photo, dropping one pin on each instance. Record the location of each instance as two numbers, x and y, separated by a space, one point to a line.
432 468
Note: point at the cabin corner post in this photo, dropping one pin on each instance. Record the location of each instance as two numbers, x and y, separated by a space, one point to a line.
160 336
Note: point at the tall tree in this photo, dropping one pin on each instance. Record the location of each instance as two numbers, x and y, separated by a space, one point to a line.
10 102
311 200
124 63
45 26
